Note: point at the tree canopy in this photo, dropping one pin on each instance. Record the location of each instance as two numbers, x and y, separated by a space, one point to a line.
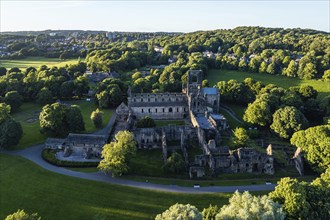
117 154
245 206
59 119
288 120
180 211
315 143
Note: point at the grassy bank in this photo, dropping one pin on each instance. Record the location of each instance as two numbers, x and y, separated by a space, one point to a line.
55 196
215 75
28 116
36 62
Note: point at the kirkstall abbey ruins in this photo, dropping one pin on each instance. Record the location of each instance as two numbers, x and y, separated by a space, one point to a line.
198 108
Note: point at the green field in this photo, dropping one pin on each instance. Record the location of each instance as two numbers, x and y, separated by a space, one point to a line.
26 186
215 75
28 116
36 62
147 162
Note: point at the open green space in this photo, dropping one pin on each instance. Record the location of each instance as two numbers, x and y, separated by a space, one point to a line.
26 186
160 123
239 110
86 110
36 62
216 75
28 116
147 162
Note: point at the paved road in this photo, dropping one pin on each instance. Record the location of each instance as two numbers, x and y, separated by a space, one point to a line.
34 154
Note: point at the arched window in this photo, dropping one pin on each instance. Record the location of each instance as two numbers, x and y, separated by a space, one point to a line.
170 109
155 99
177 109
156 110
142 110
149 110
141 100
163 109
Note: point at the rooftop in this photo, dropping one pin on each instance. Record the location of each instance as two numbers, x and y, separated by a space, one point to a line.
217 116
209 91
203 122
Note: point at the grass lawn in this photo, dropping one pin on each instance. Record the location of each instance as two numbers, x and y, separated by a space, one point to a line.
231 121
239 110
160 123
147 162
28 116
26 186
36 62
215 75
86 110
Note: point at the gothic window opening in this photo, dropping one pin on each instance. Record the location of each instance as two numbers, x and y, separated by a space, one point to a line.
170 109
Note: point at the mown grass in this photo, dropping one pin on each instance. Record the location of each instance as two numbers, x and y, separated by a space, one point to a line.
215 75
36 62
31 130
26 186
147 162
86 109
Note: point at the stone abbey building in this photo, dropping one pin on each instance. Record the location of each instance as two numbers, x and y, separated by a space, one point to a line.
199 109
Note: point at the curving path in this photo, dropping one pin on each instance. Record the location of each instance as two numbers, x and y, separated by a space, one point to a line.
231 114
34 154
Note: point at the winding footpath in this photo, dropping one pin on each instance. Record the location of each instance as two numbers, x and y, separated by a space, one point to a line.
33 154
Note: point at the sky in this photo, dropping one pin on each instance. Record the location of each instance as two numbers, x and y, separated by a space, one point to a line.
170 16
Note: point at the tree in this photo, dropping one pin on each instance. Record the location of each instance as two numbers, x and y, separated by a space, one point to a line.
66 89
308 72
4 112
292 196
145 122
174 164
180 211
103 99
288 120
210 212
315 142
97 118
117 154
45 96
3 71
271 69
74 119
258 113
59 119
22 215
245 206
326 75
291 70
10 130
14 99
240 138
